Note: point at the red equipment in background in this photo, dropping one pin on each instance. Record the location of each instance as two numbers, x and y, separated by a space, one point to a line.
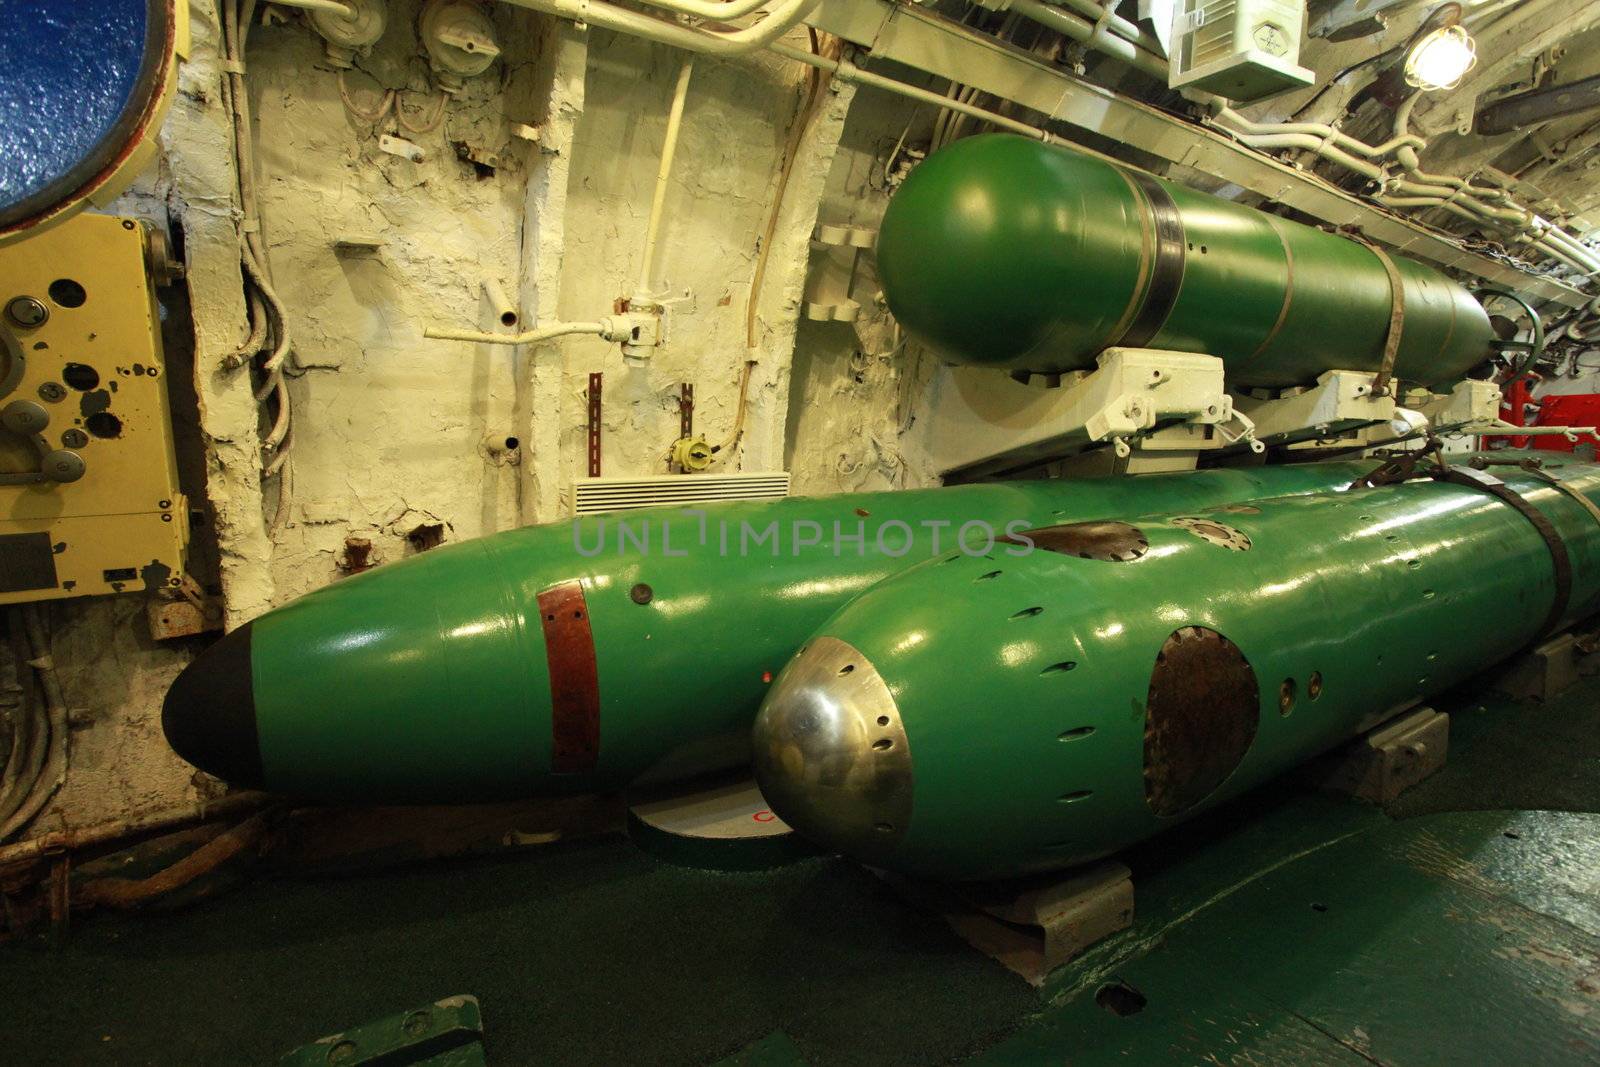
1514 403
1573 409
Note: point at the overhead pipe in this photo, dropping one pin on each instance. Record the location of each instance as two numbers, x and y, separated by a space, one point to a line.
1095 35
780 20
332 7
1100 11
1321 132
1419 189
846 71
710 9
1406 155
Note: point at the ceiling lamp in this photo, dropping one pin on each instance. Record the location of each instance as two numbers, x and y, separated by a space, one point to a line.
1440 59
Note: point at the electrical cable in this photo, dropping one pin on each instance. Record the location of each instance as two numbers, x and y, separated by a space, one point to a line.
53 773
371 118
22 726
427 125
26 774
817 81
273 344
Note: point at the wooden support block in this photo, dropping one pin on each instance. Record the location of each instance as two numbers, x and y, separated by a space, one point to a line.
1388 760
1035 925
1545 672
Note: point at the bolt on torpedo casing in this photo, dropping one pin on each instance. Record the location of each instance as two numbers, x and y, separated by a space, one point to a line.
539 661
988 717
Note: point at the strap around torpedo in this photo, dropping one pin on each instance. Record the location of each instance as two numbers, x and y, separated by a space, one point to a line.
1562 561
1397 313
1566 487
1166 276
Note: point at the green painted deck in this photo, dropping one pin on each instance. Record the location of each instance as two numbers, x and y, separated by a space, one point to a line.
1461 927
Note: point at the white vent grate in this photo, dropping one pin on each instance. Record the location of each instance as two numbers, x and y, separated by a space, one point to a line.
1215 25
593 496
1240 49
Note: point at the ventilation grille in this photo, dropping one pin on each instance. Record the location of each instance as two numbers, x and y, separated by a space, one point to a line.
1213 36
1240 49
593 496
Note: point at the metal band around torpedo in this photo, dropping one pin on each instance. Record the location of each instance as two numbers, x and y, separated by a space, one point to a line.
1559 557
1166 276
1577 495
574 679
1288 288
1397 312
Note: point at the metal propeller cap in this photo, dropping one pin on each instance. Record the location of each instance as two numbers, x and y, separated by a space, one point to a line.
831 754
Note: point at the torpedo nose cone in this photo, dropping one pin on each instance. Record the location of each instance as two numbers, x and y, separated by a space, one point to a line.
831 754
209 715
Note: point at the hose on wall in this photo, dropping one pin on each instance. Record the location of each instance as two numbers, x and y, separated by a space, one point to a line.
37 764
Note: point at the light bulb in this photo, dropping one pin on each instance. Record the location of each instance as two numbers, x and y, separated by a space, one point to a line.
1441 59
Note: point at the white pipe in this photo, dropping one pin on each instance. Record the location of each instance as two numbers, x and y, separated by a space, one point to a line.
533 336
846 71
1097 10
669 149
331 6
1314 144
1095 36
778 21
500 305
1575 248
1420 189
710 9
1412 164
1321 132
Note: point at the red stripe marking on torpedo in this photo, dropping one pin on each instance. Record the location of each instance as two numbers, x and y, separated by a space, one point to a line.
574 679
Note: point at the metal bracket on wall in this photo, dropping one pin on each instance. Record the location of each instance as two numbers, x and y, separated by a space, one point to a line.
836 252
594 424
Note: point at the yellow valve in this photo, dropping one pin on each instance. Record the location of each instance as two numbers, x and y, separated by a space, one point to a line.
692 454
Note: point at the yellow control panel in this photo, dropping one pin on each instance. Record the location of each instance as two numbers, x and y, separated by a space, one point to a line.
89 500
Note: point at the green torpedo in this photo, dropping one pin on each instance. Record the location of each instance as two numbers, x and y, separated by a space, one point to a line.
1000 251
587 655
1086 685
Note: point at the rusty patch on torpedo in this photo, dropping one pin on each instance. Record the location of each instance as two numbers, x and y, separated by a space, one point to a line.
1115 542
1201 716
574 679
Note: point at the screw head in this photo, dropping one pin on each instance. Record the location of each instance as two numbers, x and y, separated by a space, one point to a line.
26 311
